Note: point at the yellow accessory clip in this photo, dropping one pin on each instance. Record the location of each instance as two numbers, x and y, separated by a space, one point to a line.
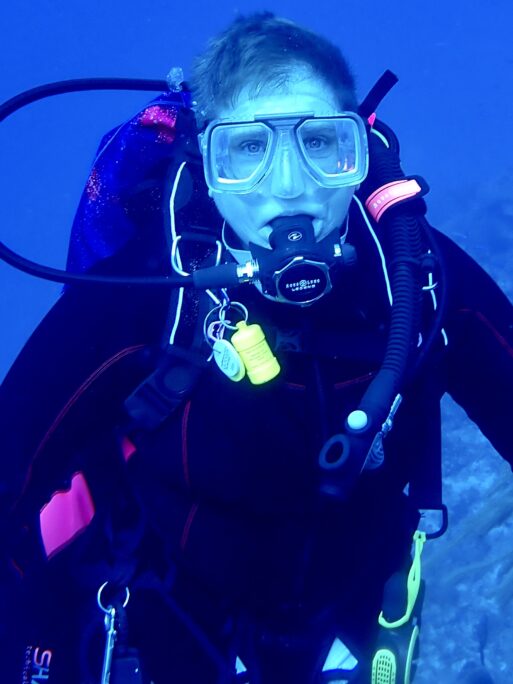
261 364
414 577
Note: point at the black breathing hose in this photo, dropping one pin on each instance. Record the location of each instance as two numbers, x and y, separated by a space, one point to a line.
403 242
225 276
78 85
343 457
58 88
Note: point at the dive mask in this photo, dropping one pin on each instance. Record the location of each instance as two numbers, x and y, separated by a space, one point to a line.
237 156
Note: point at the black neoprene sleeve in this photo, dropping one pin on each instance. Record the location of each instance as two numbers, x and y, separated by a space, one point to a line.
479 327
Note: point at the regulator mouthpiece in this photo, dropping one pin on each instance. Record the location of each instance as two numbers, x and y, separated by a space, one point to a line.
296 269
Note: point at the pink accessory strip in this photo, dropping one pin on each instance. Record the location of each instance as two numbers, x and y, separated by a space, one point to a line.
66 515
128 449
185 451
387 195
187 527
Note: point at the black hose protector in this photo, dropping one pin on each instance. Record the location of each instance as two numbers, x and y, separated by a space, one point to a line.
403 244
401 237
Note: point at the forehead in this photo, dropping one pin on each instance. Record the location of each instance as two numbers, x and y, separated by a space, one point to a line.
302 92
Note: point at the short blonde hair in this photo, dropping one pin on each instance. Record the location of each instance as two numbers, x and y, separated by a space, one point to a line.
258 51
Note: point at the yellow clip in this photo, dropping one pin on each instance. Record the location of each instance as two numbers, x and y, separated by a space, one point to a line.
413 584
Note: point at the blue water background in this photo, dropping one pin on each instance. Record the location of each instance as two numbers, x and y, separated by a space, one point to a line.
452 108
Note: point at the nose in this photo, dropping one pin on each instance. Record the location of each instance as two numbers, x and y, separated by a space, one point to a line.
287 179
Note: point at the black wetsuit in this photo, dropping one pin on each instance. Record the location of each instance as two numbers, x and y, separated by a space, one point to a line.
233 544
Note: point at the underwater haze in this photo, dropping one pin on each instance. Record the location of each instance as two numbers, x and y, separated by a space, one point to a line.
453 113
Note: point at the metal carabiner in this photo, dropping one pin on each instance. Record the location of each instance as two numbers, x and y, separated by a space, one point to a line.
110 628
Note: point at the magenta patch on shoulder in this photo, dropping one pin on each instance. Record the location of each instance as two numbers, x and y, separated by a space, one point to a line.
161 118
66 515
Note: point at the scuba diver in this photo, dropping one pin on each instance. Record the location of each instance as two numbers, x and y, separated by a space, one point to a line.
221 481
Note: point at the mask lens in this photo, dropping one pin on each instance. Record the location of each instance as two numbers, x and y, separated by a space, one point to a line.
239 154
332 149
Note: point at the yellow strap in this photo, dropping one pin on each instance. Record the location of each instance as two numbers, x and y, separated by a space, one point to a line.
413 583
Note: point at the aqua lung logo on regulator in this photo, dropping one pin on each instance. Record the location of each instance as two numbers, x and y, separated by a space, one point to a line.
294 236
303 285
303 280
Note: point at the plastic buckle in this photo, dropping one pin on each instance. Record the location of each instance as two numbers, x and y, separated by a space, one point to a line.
165 389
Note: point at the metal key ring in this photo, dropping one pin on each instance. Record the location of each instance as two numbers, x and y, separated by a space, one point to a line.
237 306
99 601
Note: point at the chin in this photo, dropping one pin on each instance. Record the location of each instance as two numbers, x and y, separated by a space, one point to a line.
320 229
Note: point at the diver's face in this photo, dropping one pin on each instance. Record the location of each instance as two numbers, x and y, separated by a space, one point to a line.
288 190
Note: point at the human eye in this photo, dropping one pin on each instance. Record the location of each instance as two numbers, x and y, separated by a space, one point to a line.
251 147
319 139
316 143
